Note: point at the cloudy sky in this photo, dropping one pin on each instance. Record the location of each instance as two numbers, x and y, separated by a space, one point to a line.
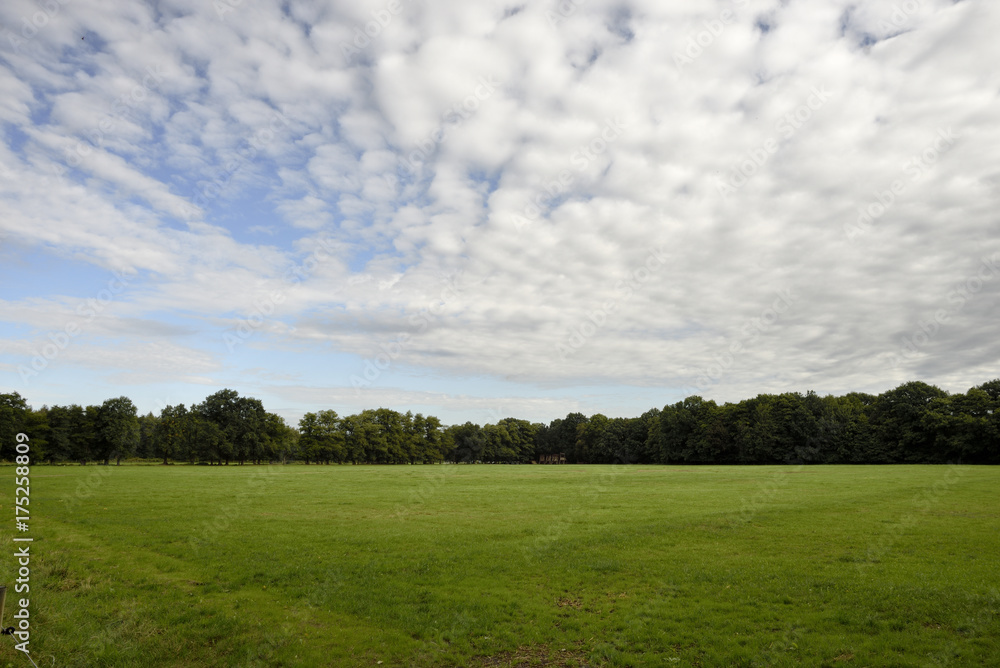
486 209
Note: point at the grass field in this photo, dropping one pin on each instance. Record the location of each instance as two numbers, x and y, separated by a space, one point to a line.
510 565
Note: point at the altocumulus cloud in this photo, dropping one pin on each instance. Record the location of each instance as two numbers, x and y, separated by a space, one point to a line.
438 180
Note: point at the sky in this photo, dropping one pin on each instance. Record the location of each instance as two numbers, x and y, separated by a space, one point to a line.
480 210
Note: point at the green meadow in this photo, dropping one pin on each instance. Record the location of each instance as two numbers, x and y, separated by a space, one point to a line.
478 565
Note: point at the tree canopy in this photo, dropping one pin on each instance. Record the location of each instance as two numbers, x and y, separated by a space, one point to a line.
913 423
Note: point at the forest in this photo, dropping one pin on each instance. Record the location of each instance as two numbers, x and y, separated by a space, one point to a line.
915 423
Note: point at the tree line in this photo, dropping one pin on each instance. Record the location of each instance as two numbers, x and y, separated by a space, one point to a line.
224 428
915 423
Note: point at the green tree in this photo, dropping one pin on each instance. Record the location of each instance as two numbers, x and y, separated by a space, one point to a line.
147 436
434 442
86 433
522 436
207 442
118 429
898 418
468 442
60 434
843 431
242 422
561 436
509 440
592 441
684 431
416 447
963 427
355 442
391 436
13 412
309 438
321 437
639 447
36 425
172 433
281 439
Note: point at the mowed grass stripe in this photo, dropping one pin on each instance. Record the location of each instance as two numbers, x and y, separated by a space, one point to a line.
509 565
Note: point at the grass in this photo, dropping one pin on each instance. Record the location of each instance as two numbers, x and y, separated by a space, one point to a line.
510 566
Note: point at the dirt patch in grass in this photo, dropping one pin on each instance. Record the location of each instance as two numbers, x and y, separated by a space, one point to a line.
538 655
